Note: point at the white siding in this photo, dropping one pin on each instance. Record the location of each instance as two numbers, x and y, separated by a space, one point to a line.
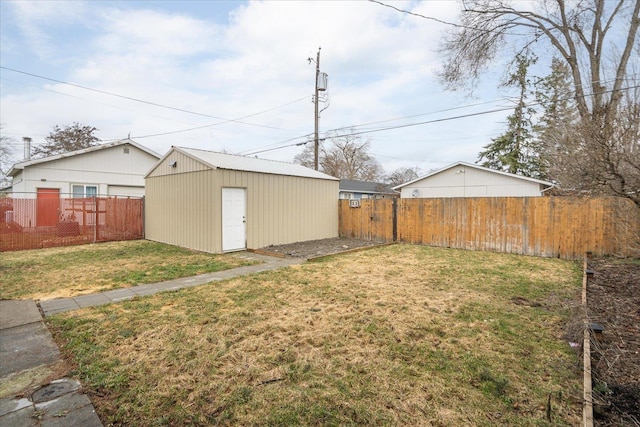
122 190
464 181
103 168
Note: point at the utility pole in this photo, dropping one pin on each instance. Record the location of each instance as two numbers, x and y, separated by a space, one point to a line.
316 142
320 85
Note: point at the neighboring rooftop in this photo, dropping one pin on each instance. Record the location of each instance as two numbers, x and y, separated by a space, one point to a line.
21 165
471 165
350 185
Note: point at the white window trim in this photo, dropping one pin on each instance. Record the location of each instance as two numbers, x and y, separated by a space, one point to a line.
84 190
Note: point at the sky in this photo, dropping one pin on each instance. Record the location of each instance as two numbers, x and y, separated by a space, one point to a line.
235 76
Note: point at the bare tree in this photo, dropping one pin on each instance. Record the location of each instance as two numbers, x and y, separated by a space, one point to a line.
578 32
402 175
69 138
588 163
6 159
590 36
345 156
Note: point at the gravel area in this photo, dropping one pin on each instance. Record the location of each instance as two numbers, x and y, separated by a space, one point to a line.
315 248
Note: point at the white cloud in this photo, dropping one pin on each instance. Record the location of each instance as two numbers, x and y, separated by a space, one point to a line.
380 63
39 20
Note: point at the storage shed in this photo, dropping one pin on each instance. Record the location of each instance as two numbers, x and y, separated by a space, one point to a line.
468 180
217 202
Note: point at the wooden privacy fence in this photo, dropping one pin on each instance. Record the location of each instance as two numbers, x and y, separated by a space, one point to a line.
564 227
33 222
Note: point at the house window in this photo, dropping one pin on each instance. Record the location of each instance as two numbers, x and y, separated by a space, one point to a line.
82 191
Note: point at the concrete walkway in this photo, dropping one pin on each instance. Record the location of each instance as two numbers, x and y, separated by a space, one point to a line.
27 349
60 305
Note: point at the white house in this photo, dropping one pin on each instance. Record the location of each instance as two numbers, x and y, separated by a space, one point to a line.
40 186
114 168
468 180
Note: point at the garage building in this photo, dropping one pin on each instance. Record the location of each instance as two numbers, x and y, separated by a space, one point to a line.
217 202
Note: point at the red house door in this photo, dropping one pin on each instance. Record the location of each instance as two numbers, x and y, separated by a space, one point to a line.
48 207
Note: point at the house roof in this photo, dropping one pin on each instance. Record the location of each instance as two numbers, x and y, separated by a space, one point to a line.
21 165
249 164
365 187
471 165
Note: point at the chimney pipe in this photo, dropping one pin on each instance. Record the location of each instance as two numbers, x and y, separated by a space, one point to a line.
27 147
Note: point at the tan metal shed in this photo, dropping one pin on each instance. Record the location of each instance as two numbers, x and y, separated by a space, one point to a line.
217 202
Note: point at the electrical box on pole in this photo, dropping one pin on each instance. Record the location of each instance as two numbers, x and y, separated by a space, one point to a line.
316 117
322 82
319 86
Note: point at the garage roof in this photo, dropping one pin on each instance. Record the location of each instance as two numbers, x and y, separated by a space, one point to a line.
249 164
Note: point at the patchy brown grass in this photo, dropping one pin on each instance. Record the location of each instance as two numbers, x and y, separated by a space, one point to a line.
400 335
43 274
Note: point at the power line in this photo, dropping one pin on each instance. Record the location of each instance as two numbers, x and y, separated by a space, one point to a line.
396 127
422 114
219 123
137 100
419 123
360 125
431 18
90 100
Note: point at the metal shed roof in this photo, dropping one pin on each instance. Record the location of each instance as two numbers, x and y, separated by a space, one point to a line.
249 164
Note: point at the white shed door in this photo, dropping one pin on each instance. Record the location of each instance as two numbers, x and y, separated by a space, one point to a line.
234 218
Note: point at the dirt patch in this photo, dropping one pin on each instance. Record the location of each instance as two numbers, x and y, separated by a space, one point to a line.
316 248
614 302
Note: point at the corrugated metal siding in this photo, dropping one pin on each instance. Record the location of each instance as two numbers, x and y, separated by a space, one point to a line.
182 210
285 209
185 208
184 164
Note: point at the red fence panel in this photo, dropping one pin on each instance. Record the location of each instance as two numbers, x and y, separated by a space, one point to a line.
69 221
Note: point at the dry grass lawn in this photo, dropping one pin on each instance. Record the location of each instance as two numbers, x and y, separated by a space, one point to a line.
400 335
43 274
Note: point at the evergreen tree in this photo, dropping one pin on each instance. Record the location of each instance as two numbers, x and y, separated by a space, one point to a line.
557 126
516 151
